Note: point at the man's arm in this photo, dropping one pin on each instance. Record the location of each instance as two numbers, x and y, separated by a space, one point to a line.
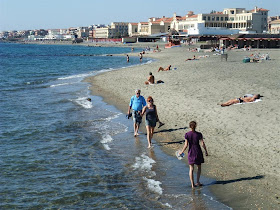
130 105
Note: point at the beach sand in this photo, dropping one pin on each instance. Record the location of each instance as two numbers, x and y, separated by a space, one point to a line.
242 140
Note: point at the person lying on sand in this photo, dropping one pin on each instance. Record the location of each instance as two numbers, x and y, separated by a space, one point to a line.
190 59
151 80
166 69
244 99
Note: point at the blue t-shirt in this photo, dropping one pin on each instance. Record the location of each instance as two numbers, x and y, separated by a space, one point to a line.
137 103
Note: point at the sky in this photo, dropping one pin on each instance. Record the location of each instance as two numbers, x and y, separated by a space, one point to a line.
55 14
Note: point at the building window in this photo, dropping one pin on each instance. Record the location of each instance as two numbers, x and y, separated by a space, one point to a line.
232 12
226 18
218 18
222 18
208 18
213 18
204 18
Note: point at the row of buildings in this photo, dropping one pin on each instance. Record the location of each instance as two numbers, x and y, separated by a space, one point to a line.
229 21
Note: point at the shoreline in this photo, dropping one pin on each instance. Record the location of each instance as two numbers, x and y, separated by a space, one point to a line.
242 182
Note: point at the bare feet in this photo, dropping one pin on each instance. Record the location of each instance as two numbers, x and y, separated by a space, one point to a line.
198 184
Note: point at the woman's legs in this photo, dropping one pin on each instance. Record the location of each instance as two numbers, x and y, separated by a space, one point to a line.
191 175
198 175
149 136
230 102
152 132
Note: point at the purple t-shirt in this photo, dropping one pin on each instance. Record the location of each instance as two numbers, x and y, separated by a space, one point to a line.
195 155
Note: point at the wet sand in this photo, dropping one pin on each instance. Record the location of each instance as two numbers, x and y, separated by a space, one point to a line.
242 140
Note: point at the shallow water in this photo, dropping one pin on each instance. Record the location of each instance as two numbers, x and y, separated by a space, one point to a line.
59 150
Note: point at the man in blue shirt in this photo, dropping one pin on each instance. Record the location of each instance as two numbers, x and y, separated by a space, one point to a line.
137 102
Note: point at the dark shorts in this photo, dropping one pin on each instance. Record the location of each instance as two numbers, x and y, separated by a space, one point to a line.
136 117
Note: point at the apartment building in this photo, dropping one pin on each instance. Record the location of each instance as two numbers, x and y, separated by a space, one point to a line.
82 32
116 29
275 26
153 26
120 28
132 29
159 25
103 32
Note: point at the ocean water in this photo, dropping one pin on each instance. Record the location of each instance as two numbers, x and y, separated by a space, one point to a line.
60 151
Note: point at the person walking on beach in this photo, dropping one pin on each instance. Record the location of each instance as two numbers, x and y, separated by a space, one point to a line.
137 102
151 119
127 58
195 155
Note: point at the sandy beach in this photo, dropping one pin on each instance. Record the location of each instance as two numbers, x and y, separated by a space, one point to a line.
242 140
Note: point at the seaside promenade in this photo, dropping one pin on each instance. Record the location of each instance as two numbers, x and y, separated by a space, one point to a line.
242 140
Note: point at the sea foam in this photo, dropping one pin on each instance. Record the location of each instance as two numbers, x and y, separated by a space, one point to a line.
144 163
154 185
105 140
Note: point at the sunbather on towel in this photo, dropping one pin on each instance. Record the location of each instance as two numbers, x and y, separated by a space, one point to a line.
166 69
244 99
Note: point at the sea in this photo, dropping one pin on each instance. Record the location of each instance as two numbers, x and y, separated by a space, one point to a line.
60 151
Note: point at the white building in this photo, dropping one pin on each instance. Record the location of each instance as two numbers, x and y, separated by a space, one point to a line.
234 18
115 30
275 27
200 29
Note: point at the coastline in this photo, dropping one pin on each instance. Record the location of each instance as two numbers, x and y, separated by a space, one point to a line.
243 155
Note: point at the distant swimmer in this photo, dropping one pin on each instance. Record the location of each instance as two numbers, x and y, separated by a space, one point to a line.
141 57
89 99
195 155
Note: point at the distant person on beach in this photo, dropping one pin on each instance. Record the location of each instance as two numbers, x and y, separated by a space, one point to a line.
137 102
164 69
151 80
127 58
190 59
244 99
141 57
151 119
195 155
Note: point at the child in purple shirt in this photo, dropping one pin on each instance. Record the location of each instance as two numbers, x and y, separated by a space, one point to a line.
195 155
